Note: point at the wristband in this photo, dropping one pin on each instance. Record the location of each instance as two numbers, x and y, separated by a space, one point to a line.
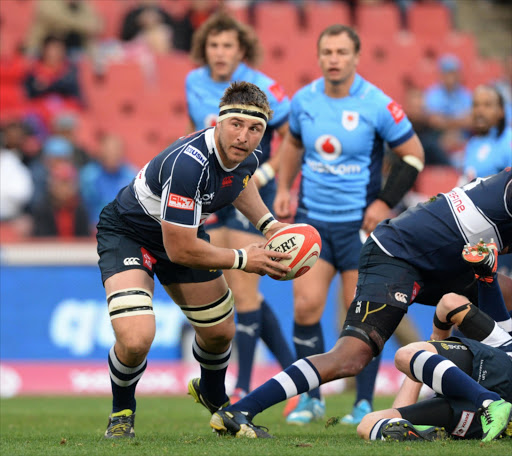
264 174
240 259
400 180
265 222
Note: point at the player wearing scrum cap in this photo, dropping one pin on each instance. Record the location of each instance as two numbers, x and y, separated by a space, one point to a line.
155 226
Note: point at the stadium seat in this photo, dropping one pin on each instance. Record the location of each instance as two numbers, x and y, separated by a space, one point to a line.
436 179
322 14
381 20
431 19
112 13
279 19
16 17
483 71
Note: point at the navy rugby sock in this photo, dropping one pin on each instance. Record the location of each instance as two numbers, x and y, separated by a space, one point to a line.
247 335
309 340
299 378
213 373
490 301
445 378
124 380
273 336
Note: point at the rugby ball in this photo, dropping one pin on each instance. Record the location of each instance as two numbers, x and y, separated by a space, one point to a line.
302 242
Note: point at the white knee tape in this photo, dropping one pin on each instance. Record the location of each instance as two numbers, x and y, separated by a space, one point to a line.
211 314
130 302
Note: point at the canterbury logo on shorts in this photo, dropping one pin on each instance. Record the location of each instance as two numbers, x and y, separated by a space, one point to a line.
133 261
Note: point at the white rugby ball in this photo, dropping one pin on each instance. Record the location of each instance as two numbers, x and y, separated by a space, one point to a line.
302 242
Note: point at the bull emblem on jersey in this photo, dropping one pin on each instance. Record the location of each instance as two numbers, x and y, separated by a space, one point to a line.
350 120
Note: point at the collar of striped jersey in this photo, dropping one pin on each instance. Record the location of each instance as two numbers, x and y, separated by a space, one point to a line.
245 111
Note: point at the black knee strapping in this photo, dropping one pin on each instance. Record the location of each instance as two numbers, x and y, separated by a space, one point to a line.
360 334
441 324
477 324
455 311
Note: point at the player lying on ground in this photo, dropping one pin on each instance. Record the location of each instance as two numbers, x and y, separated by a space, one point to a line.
414 257
472 377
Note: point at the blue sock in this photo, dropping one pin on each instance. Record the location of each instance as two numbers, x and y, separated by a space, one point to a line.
365 381
445 378
124 380
248 330
299 378
213 373
273 337
308 340
490 301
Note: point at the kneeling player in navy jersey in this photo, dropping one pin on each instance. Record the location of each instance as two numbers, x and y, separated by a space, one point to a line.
155 226
415 257
472 376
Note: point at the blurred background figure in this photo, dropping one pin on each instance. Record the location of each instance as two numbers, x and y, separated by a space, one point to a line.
16 186
61 212
101 179
66 125
414 106
489 150
504 85
52 83
448 105
75 22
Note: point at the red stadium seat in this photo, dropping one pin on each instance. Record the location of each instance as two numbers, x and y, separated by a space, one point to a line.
278 19
483 71
381 20
16 17
322 14
436 179
429 20
112 12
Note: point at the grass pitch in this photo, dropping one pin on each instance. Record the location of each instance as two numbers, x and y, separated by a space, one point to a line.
178 426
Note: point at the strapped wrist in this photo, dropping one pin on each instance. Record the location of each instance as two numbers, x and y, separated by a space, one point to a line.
265 173
265 222
240 259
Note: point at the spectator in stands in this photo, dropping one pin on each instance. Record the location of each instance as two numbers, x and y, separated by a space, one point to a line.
490 149
504 85
151 24
448 105
61 213
73 21
55 150
65 125
414 107
52 82
16 186
101 180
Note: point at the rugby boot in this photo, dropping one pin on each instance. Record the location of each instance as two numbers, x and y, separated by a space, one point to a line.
496 419
238 424
483 258
403 430
195 392
121 425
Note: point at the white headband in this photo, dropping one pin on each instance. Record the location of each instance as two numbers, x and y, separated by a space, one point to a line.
245 111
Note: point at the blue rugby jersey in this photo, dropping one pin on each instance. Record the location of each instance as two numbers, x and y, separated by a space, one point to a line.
489 154
343 142
183 185
204 94
431 235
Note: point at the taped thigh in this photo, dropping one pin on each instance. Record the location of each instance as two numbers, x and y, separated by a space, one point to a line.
211 314
130 302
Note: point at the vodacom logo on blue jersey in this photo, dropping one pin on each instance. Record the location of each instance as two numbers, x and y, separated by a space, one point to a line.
328 146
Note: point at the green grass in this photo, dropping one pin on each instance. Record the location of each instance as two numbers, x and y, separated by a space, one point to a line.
177 426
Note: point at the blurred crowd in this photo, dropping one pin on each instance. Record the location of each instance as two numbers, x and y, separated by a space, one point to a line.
51 185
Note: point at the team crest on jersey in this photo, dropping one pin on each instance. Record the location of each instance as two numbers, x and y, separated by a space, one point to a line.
195 154
328 146
245 181
483 152
210 120
180 202
350 120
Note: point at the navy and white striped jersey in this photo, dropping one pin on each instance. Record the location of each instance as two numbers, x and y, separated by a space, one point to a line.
183 185
431 235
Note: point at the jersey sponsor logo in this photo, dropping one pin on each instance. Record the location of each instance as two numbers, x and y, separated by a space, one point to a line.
180 202
339 170
466 418
147 259
415 290
456 201
195 154
396 111
401 297
328 146
227 181
350 120
245 181
453 346
278 92
358 307
207 198
131 261
210 120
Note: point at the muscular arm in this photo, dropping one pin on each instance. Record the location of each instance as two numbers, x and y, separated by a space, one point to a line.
290 159
380 210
